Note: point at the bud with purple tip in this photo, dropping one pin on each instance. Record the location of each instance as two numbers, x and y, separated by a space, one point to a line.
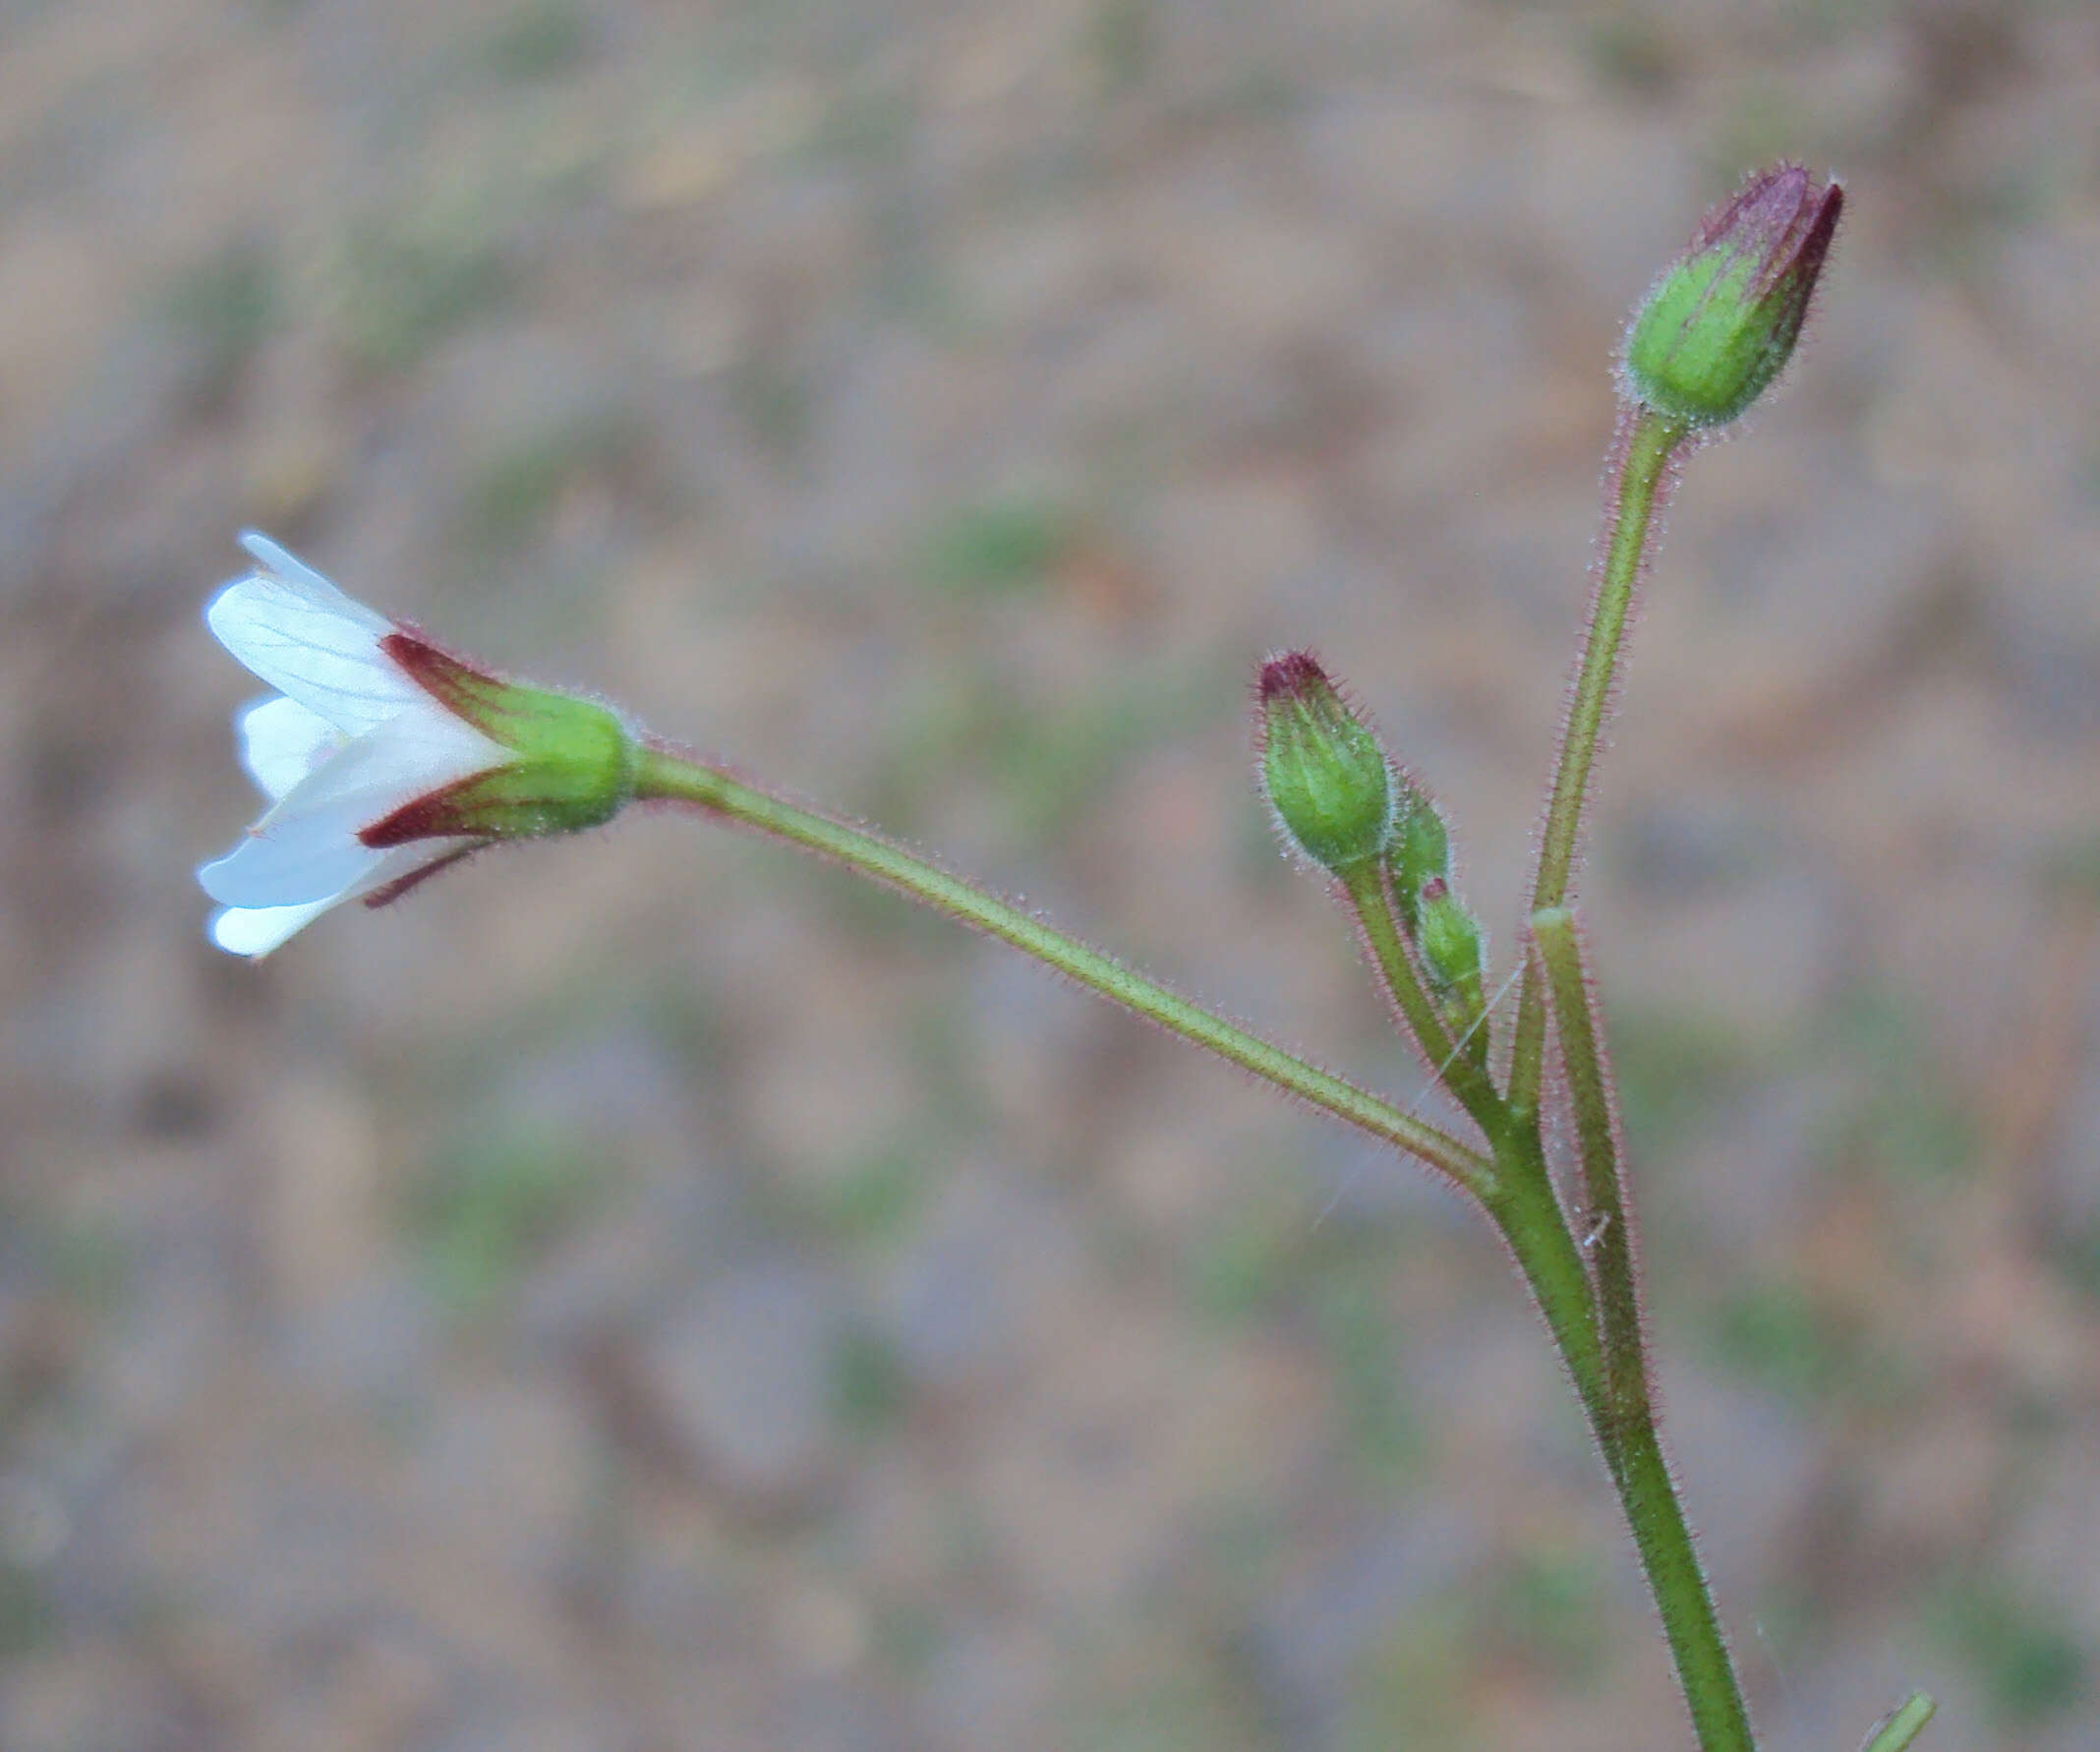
1322 770
1723 321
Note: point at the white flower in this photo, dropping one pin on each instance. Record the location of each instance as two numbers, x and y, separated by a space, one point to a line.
351 740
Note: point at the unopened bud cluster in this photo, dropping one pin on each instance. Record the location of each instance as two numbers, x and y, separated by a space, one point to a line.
1341 803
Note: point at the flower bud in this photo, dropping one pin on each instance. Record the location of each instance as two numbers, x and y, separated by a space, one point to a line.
1418 851
1325 776
1454 956
1452 952
1723 321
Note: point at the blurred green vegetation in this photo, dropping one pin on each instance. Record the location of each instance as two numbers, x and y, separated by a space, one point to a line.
1675 1071
490 1206
1631 51
876 1201
1775 1334
996 546
1361 1336
408 275
1412 1686
1760 122
1166 1694
906 1635
869 1388
2075 1250
29 1617
2029 1669
773 401
1265 1259
1778 1334
1122 43
223 308
1543 1609
1906 1119
513 491
1038 760
1897 1114
539 40
1547 1607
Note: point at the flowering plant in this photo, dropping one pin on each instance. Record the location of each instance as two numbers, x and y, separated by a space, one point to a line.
386 760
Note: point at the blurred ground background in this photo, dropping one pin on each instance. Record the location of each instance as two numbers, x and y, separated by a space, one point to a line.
650 1293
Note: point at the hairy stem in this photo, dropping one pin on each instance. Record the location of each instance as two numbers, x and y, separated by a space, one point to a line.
1647 1490
1524 1209
1607 1233
666 775
1373 901
1649 443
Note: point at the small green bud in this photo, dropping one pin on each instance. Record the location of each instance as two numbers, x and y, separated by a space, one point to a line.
1452 950
1418 851
1722 322
1454 956
1325 776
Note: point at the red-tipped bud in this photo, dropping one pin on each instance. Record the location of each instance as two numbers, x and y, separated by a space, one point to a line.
1723 321
1324 775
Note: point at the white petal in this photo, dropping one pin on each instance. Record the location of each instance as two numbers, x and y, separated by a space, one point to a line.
299 868
422 749
302 577
307 848
256 930
281 742
306 639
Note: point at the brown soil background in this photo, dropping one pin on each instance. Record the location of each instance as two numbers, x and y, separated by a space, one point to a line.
649 1293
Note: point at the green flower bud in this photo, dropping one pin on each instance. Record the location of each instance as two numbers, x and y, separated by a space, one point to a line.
1418 851
1453 953
1454 956
1325 776
1723 321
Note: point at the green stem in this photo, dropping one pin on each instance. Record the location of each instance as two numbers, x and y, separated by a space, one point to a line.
1649 443
1371 898
1524 1209
1607 1228
666 776
1900 1728
1646 1489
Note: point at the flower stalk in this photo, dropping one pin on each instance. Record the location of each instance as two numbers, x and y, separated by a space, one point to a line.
1654 1509
666 776
1647 443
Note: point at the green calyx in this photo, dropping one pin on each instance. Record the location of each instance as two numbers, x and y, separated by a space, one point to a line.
572 766
1325 776
571 762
